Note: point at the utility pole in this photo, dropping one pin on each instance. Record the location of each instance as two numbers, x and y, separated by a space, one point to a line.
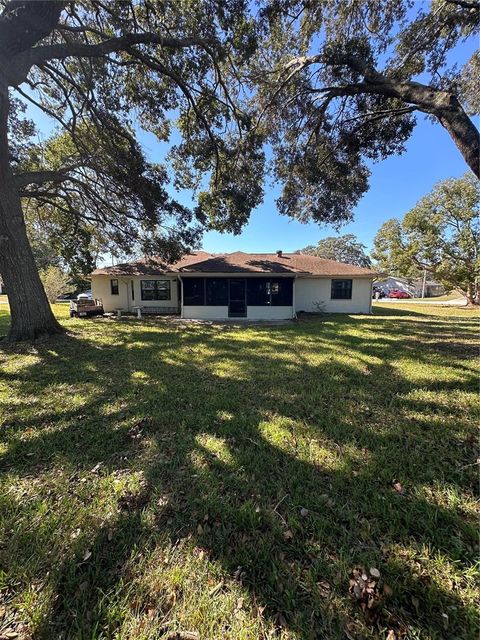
424 282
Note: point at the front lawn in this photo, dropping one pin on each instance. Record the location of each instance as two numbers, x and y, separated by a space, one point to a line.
226 481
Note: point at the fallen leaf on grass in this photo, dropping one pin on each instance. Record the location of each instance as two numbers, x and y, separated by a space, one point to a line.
365 589
87 555
288 535
398 487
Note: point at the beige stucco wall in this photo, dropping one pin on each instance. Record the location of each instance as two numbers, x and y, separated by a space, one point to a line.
313 295
101 289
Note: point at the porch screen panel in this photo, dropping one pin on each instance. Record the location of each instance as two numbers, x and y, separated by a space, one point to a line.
216 291
281 292
194 292
266 292
257 294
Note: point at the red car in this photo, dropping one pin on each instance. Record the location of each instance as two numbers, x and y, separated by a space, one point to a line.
396 293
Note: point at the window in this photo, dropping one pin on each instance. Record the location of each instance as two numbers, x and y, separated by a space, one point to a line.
133 291
341 290
216 291
114 287
155 289
194 291
264 292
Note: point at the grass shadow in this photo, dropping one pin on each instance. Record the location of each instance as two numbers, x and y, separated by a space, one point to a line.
201 449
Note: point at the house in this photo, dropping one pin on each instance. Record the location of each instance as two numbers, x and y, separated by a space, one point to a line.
393 282
413 287
255 286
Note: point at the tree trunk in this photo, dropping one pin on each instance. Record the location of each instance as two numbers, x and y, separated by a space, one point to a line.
31 314
471 294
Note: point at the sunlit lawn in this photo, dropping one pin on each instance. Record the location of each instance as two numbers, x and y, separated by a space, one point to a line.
159 478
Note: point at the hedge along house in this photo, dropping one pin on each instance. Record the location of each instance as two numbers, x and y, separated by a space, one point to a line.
236 285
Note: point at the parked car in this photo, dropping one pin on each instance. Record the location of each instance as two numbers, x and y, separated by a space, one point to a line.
86 295
396 293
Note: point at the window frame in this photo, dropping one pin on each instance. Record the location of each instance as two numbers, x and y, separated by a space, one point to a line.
155 290
348 289
114 286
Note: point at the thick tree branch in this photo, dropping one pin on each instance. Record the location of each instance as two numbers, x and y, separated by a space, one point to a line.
444 105
38 55
25 178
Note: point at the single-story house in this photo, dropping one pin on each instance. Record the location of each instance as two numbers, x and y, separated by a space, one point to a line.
255 286
414 287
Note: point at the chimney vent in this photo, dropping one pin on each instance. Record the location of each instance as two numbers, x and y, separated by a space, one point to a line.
279 253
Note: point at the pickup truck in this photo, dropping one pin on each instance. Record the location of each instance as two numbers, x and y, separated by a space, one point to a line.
83 307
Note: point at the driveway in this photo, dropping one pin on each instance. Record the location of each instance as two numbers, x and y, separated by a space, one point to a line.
457 302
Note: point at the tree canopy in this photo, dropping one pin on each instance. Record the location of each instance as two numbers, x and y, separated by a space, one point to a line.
440 234
344 248
341 84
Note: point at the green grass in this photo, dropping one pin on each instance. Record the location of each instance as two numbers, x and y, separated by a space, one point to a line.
453 295
154 477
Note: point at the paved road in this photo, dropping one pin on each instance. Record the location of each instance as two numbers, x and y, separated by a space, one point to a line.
458 302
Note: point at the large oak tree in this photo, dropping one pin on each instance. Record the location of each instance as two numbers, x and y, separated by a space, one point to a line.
344 248
101 70
441 235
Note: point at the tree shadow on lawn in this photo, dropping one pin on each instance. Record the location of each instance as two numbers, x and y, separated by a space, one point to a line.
231 439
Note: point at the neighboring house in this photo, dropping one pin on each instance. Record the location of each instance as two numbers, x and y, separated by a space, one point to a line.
260 286
432 288
413 287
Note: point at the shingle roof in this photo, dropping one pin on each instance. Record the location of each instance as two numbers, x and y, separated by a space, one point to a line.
239 262
150 266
